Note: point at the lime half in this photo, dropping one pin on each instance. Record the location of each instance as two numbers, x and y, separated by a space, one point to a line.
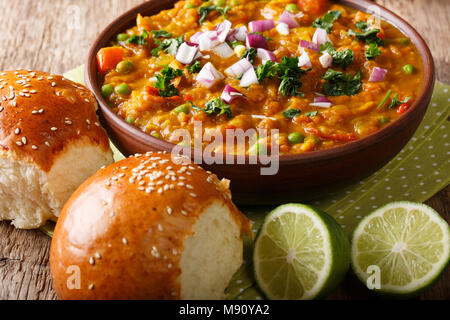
300 253
406 243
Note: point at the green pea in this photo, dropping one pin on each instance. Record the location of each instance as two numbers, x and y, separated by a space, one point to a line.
258 149
107 90
122 37
234 3
156 135
236 43
383 120
189 6
408 69
122 89
184 144
184 108
124 66
296 137
404 41
130 120
292 7
219 3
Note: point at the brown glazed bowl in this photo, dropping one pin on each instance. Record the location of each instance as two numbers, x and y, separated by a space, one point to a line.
300 177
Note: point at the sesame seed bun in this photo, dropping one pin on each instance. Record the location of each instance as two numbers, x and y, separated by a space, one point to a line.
50 142
148 228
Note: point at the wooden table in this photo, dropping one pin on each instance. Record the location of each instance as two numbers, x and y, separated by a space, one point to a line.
54 36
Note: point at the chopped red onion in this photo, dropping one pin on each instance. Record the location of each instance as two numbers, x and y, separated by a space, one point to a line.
320 36
238 34
321 104
209 75
208 40
223 50
326 60
237 69
309 45
378 74
283 29
256 41
186 53
289 19
265 55
261 25
321 99
195 37
304 60
229 94
222 30
249 78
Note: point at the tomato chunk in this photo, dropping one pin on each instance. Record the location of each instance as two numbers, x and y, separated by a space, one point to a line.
402 108
108 58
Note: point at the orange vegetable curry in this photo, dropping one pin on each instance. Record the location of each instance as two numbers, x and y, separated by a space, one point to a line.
321 73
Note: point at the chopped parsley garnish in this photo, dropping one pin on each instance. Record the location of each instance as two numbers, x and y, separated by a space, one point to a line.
204 11
340 84
163 79
250 55
290 73
372 51
216 106
266 71
168 45
395 102
195 67
326 22
161 34
312 114
291 113
340 58
139 40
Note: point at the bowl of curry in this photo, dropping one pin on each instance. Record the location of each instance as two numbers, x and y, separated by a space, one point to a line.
336 87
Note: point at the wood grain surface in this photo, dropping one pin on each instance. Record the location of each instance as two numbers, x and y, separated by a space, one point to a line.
54 36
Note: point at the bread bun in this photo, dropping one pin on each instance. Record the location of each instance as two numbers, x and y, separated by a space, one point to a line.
148 228
50 142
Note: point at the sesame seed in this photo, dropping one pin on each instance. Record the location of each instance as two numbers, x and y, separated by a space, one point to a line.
34 147
19 143
68 122
160 228
91 286
184 213
91 261
53 84
24 140
193 195
41 111
125 241
97 255
189 186
174 252
169 210
47 143
53 128
14 104
1 108
155 252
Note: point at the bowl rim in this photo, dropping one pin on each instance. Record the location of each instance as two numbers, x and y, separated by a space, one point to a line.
387 15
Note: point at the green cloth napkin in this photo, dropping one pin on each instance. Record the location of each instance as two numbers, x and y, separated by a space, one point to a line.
419 171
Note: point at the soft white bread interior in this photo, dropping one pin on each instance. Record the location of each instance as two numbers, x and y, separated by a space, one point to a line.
50 142
211 255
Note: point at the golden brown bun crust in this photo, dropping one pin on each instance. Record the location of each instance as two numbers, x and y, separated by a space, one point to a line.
126 233
41 113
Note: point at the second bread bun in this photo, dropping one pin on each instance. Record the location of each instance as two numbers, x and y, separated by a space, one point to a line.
50 142
148 228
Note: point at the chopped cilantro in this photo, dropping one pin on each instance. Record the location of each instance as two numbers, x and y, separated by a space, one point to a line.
168 45
372 51
140 40
312 114
195 67
219 107
204 11
340 58
250 55
290 73
266 71
340 84
395 102
163 79
161 34
291 113
367 34
326 22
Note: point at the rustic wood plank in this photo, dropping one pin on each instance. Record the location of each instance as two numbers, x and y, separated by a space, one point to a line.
55 36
